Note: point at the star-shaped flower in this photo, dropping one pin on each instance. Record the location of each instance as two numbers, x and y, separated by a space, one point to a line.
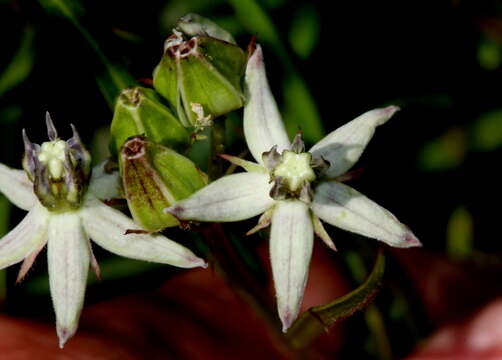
64 214
294 189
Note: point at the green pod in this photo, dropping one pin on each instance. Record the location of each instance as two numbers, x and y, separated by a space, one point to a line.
139 111
201 73
155 177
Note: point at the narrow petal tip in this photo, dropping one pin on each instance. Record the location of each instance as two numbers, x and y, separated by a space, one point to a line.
198 262
64 334
387 113
256 58
174 210
51 129
287 320
411 240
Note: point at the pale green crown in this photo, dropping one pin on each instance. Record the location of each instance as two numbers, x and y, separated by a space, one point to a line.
52 155
295 169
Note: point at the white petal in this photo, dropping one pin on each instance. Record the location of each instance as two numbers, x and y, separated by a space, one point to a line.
105 185
230 198
107 227
28 236
68 259
263 126
343 147
291 240
346 208
16 186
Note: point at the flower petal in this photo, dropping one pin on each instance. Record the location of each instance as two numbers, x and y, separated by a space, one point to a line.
343 147
107 227
291 240
28 236
320 231
263 126
105 185
68 260
16 186
230 198
28 263
346 208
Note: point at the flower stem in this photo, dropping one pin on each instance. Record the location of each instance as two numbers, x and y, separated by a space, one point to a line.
215 166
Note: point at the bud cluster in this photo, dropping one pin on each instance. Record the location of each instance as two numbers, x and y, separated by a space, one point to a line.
202 68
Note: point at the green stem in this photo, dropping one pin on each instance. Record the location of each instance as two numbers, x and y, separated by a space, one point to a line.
215 166
314 322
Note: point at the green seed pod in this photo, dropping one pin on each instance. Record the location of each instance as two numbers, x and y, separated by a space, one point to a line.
200 75
155 177
139 111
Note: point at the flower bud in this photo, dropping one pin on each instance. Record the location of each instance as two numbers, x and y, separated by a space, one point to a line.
155 177
59 169
195 25
201 68
139 111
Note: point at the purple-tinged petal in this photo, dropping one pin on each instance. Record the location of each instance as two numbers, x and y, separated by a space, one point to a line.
263 126
343 147
28 263
16 186
231 198
28 236
346 208
68 260
320 231
291 241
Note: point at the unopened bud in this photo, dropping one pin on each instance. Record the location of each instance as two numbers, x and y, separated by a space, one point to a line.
155 177
139 111
201 68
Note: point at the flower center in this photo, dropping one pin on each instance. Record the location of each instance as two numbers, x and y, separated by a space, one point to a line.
52 155
59 169
295 169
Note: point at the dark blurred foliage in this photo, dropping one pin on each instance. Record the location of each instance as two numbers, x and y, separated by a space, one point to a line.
434 164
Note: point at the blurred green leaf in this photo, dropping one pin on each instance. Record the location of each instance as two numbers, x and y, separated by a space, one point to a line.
274 4
257 22
487 131
445 152
314 322
114 78
300 108
175 9
376 324
21 64
459 235
489 54
10 114
304 31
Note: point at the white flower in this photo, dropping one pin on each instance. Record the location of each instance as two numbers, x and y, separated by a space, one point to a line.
67 228
294 189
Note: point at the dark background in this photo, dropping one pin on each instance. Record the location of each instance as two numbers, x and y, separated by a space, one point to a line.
435 164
